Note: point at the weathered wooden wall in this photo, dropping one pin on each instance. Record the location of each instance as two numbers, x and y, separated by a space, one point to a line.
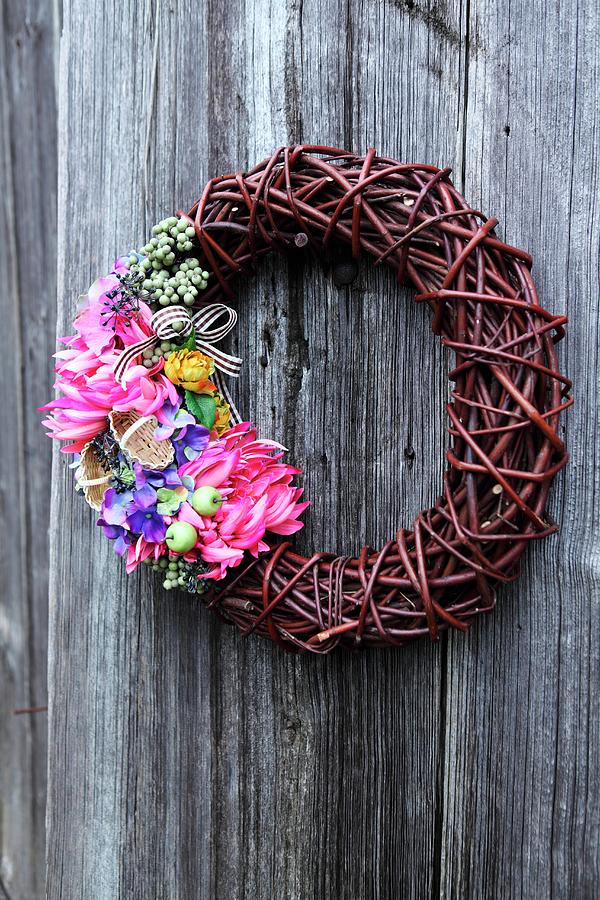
27 303
185 762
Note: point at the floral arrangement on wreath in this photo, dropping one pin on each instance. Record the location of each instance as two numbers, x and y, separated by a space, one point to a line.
179 481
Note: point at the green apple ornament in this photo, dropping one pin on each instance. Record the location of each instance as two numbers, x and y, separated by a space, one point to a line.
181 537
206 500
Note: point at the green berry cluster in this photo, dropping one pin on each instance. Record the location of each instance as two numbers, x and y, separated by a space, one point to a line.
180 574
169 237
167 275
153 354
177 285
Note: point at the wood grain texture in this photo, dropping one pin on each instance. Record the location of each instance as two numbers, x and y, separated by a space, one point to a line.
185 762
28 210
522 745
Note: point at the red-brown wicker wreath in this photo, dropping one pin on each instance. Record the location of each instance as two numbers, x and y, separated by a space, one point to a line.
508 393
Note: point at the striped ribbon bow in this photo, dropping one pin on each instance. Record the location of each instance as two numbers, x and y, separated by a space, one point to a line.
207 330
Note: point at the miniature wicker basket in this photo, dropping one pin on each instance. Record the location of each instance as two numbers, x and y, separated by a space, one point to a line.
93 475
135 436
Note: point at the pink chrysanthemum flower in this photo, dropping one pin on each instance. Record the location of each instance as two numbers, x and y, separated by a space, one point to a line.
257 493
85 372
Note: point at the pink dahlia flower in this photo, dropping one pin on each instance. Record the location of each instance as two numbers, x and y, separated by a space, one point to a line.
85 372
141 550
257 493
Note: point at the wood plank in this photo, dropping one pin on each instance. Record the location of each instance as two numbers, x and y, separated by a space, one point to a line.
184 761
367 815
522 789
28 225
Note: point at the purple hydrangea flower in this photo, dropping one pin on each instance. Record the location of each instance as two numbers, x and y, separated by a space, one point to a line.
190 443
120 536
113 519
114 506
171 417
168 477
142 516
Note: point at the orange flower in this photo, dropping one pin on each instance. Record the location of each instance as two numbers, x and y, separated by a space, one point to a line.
190 369
223 415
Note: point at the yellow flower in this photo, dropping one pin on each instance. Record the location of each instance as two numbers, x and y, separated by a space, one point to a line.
223 415
190 369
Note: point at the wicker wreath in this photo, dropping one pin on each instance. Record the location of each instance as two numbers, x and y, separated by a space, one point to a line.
508 393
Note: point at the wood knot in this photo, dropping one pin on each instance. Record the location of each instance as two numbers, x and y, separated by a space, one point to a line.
344 272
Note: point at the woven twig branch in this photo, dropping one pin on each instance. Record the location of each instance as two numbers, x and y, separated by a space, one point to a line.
508 393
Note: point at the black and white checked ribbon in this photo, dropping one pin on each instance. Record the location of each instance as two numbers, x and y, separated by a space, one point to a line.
208 332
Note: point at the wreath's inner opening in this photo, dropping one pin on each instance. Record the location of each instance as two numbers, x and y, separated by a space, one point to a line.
353 382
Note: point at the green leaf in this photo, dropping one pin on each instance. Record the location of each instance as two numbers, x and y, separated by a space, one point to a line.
202 407
126 474
169 500
190 341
